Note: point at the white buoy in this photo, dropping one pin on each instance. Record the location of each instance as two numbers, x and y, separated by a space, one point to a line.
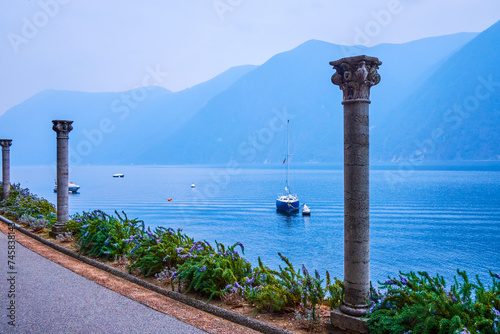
306 211
193 185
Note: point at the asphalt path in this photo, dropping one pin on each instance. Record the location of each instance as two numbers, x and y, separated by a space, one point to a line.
52 299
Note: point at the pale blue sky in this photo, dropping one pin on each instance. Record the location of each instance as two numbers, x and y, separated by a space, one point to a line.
115 45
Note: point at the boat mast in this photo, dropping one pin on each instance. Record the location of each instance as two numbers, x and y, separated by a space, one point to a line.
287 154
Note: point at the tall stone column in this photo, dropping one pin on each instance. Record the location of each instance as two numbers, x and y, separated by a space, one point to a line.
62 128
5 143
355 76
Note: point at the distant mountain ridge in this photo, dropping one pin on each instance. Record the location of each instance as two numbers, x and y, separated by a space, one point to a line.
454 115
296 83
239 115
106 125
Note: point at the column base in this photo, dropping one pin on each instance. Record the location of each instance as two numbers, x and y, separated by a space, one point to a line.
56 230
341 323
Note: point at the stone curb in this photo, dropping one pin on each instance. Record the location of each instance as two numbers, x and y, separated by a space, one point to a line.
212 309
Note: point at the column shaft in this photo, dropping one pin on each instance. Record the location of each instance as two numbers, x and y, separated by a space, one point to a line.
356 208
62 128
355 76
62 181
5 143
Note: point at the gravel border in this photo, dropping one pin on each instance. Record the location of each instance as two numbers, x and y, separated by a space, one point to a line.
215 310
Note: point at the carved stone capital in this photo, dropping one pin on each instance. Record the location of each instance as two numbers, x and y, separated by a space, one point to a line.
62 128
5 143
355 76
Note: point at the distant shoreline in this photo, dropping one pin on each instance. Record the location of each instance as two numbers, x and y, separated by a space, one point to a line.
404 165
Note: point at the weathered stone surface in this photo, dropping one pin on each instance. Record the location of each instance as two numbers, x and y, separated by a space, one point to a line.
344 324
62 128
5 143
355 76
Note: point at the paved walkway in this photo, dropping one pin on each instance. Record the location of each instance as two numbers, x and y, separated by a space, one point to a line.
51 299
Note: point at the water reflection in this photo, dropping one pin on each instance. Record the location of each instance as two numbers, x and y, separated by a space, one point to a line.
289 218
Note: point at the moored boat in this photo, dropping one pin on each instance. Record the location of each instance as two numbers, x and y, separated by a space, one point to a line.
306 211
72 188
287 202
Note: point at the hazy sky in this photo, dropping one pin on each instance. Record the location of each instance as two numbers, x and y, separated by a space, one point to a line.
115 45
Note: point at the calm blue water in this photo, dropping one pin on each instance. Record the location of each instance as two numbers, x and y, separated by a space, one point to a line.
435 221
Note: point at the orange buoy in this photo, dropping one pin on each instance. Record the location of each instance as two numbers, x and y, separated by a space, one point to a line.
169 199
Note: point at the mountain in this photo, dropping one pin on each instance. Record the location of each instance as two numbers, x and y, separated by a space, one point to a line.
238 123
106 125
453 115
240 115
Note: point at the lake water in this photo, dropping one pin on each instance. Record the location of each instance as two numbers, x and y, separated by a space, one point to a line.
432 220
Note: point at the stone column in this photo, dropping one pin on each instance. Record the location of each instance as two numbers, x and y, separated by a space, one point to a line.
62 128
355 76
5 143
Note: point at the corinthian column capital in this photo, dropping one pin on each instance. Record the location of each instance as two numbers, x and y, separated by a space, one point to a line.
6 143
355 76
62 128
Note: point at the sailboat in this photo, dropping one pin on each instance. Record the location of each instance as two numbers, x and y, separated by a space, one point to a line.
287 202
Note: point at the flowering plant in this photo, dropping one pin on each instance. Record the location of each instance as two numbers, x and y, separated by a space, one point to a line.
422 304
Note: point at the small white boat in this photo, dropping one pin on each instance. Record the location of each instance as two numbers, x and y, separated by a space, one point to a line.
118 175
193 185
72 188
306 211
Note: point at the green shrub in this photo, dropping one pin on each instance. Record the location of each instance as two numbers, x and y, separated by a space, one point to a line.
335 291
163 248
21 201
104 236
273 291
211 272
422 304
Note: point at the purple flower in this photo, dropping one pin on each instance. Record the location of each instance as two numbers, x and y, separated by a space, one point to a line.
85 226
304 269
241 245
86 234
495 312
179 250
202 269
